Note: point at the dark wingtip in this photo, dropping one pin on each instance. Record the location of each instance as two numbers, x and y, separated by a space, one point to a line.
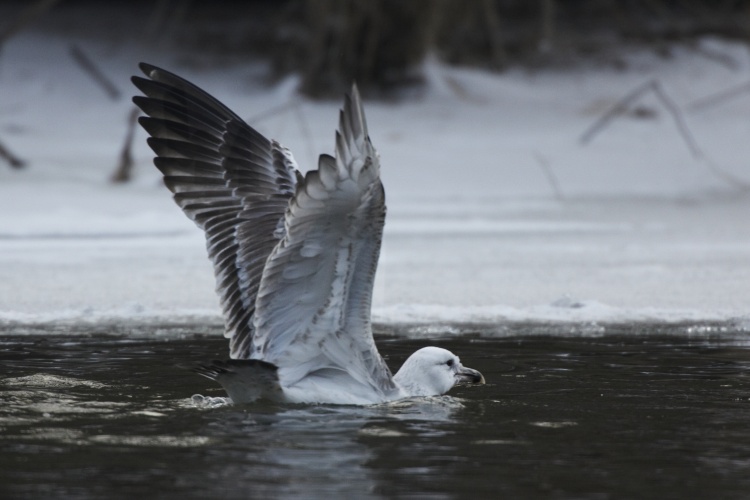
353 95
217 368
139 100
148 69
211 370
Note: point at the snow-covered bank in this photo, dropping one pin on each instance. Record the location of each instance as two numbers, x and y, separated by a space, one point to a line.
576 261
496 212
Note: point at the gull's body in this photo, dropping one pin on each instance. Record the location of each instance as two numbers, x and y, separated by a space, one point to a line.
294 257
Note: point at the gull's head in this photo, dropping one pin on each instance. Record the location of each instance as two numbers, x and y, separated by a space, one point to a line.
432 371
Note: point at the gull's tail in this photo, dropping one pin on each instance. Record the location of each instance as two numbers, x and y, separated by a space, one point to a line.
245 380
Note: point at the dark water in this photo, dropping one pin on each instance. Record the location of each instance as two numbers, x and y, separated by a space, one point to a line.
638 412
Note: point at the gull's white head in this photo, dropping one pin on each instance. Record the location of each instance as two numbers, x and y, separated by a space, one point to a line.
432 371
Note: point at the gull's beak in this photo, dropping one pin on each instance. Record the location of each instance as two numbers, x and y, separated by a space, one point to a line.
469 376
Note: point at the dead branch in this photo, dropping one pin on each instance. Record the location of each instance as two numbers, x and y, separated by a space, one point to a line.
732 179
550 175
621 107
91 69
718 57
26 17
156 28
29 15
678 119
124 169
13 160
719 97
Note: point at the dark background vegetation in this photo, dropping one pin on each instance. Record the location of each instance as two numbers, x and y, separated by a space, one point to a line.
382 43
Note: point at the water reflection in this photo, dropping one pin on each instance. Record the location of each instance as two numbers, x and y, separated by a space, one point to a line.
193 445
293 451
570 417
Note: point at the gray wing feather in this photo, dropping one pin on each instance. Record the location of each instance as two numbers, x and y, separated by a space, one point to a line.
313 304
230 180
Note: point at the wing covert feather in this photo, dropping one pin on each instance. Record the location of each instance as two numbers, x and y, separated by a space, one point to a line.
294 258
313 305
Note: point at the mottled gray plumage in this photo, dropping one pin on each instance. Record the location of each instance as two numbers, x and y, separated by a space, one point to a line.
230 180
294 257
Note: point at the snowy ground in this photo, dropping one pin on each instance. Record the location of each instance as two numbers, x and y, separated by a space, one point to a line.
496 211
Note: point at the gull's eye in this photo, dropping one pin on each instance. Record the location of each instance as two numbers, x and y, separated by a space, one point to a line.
449 362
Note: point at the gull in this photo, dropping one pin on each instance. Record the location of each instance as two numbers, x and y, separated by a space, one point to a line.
294 256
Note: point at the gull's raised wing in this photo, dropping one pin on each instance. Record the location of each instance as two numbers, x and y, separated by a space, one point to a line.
230 180
313 307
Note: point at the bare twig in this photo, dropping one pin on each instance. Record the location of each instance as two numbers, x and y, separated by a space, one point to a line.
732 179
621 107
618 109
678 119
719 97
31 13
124 169
156 29
550 174
12 159
91 69
717 56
